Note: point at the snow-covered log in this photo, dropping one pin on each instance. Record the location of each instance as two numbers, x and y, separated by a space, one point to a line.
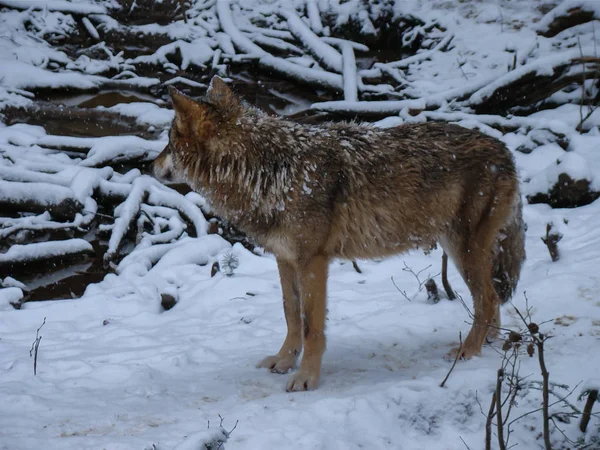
20 255
537 80
567 14
55 5
39 197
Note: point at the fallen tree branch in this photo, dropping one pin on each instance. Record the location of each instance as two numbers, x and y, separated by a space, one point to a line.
44 256
125 215
308 75
565 15
325 54
60 201
533 82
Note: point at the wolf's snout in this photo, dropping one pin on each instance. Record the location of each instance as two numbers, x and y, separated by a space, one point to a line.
161 173
162 167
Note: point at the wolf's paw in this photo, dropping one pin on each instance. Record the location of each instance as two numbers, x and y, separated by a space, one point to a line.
302 381
493 335
278 364
465 353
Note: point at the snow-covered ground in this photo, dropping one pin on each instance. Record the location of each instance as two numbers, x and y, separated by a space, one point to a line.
117 371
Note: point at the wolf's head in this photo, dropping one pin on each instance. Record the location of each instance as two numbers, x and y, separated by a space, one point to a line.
196 125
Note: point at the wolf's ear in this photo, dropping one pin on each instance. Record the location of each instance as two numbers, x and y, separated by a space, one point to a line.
218 87
182 103
192 118
224 98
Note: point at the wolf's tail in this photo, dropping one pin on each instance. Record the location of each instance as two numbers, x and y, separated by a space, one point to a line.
509 254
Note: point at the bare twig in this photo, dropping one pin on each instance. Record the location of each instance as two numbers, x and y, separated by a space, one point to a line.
182 5
461 69
515 387
582 100
400 290
545 394
408 269
34 347
355 265
443 383
421 284
227 433
488 423
560 400
574 409
499 422
463 441
591 108
538 340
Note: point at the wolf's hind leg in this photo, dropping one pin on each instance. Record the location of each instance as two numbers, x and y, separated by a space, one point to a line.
494 331
312 277
285 360
474 257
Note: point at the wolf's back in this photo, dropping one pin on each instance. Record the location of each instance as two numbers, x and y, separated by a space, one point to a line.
510 254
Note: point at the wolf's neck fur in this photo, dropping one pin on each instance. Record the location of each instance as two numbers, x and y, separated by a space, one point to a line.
248 172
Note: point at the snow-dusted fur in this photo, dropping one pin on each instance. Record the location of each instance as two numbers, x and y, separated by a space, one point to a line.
312 193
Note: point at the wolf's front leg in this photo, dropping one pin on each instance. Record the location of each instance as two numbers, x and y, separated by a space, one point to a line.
312 277
285 360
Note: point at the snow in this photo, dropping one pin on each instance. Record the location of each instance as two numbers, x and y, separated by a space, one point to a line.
113 149
571 164
11 282
115 370
569 114
9 296
198 52
587 147
381 371
145 113
12 75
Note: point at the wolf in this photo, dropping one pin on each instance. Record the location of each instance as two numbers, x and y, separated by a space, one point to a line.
311 193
